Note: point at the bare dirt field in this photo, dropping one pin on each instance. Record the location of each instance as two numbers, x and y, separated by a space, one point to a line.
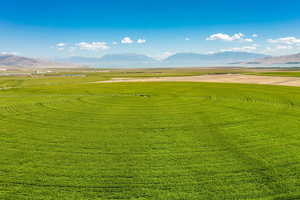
224 78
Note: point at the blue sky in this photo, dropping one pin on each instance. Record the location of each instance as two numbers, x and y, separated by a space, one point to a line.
60 28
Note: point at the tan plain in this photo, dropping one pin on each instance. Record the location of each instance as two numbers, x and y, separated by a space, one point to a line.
224 78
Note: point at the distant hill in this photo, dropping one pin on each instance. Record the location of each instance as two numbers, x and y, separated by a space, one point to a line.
79 60
114 60
288 59
185 57
17 61
216 58
179 59
24 62
127 58
231 55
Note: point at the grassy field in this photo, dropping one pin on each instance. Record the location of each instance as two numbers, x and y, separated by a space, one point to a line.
278 73
67 138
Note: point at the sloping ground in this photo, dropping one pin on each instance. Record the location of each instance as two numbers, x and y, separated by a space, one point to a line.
10 61
165 141
294 58
227 78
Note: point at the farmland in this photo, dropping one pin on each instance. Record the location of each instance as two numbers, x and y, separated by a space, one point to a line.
64 137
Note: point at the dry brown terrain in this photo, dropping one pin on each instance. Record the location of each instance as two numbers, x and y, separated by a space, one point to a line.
227 78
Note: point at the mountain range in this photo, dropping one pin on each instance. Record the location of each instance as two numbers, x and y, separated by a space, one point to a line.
178 59
138 60
113 60
288 59
215 58
11 61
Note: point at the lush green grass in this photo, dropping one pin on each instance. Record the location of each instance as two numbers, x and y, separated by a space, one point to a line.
278 73
151 72
66 138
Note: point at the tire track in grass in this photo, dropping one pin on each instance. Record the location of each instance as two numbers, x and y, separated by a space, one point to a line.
268 174
14 113
287 197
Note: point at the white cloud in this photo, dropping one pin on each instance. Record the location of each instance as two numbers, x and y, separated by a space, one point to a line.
141 41
244 48
187 39
212 52
254 35
225 37
126 40
285 40
222 36
72 49
61 44
284 47
9 53
164 55
248 40
92 46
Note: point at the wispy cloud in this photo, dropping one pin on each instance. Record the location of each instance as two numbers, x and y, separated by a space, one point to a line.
141 41
250 48
72 49
9 53
279 48
248 40
164 55
61 44
285 40
284 47
127 40
92 46
229 38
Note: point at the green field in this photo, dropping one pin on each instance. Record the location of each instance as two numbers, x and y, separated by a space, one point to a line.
278 73
67 138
